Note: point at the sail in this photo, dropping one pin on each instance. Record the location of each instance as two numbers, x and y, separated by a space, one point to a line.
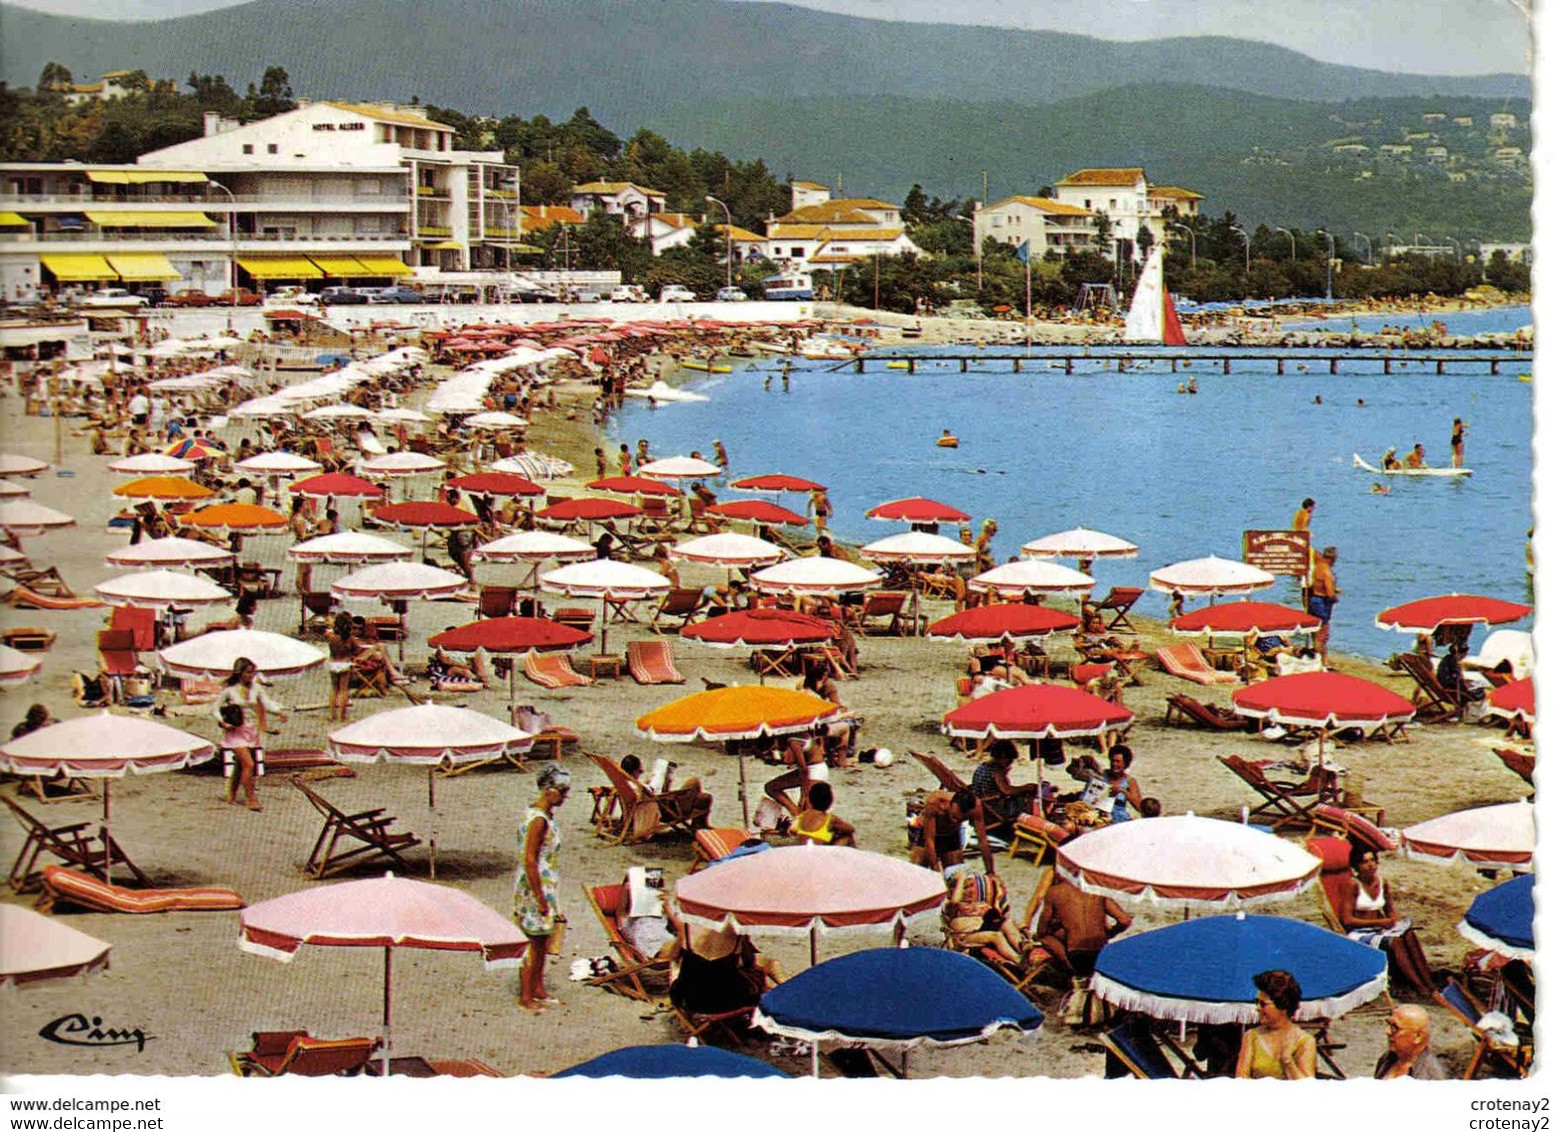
1174 335
1146 316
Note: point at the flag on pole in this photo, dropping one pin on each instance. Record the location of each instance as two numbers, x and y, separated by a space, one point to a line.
1023 252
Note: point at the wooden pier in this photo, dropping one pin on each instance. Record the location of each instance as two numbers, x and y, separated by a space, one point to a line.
1070 362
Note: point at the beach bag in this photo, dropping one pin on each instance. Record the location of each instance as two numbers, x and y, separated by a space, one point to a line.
555 937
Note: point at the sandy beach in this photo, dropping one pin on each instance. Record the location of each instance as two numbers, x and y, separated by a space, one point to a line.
182 979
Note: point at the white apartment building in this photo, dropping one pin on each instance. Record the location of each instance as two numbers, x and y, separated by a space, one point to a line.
327 193
1046 224
823 234
616 198
1129 202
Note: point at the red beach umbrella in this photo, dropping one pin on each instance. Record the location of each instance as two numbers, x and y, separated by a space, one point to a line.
760 629
1514 701
1035 711
337 484
1246 617
1005 621
917 510
1328 700
776 481
1428 614
633 485
757 511
593 509
497 483
510 636
423 514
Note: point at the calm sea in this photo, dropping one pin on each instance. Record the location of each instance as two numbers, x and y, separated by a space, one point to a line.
1182 476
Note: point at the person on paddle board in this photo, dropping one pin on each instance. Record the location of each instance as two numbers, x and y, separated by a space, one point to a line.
1389 461
1458 431
1416 458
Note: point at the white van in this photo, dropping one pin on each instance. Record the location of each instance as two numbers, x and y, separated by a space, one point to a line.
676 293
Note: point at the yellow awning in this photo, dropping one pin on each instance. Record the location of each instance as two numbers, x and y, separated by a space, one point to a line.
143 267
12 220
145 219
342 266
144 177
279 267
79 267
443 246
384 265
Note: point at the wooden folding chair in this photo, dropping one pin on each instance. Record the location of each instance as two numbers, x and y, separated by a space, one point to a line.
635 813
553 670
294 1053
1433 703
638 968
334 849
677 608
886 607
70 843
1200 714
1284 801
651 662
1117 602
996 824
1507 1062
496 601
1135 1050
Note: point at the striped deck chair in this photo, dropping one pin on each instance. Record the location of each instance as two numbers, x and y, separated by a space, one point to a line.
23 598
651 662
295 1053
553 670
1188 662
716 843
66 886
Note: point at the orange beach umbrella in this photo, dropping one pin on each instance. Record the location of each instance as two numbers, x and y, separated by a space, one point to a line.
237 518
163 487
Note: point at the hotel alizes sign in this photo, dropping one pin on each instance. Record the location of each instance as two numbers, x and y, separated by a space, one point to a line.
1279 552
339 125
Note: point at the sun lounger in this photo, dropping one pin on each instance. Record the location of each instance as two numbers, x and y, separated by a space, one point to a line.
347 840
1285 801
29 638
416 1066
1187 662
553 670
638 972
1353 825
1517 762
1200 714
651 662
294 1053
713 843
23 598
70 843
1508 1061
66 886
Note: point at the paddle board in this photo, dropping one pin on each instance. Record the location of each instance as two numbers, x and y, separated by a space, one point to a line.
706 367
1359 463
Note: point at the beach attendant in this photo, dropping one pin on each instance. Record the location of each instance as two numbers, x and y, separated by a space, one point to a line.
536 884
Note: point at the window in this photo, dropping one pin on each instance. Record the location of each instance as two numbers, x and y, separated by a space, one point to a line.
270 147
796 252
248 148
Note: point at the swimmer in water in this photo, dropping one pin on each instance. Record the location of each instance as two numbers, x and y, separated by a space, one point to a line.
1380 489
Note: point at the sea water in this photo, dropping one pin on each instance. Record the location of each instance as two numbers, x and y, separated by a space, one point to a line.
1180 475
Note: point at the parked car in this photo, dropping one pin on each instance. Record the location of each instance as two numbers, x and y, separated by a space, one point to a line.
530 294
112 297
584 295
343 296
628 293
398 294
238 298
154 295
675 293
192 298
731 295
292 297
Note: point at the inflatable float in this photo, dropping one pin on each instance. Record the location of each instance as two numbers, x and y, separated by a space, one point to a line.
1380 471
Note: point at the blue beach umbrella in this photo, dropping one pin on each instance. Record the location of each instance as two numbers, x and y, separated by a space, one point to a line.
896 998
1502 919
1201 970
672 1061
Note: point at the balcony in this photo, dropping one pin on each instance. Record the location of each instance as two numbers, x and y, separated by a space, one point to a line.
434 230
216 246
69 202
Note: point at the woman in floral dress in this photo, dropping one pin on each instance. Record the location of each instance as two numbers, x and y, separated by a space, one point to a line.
536 884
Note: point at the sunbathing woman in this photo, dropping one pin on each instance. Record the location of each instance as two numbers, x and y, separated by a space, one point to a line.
1368 915
977 915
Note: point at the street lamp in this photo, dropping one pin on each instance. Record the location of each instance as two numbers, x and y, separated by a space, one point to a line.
232 250
1245 239
727 211
1332 252
1291 236
1193 235
1370 257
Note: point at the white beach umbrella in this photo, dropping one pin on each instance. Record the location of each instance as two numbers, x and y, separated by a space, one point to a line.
1080 543
1487 836
278 464
400 464
338 413
1031 577
535 466
533 546
679 467
494 420
187 383
918 548
151 464
823 576
350 548
730 550
14 465
398 581
34 947
401 416
161 589
10 557
608 580
17 667
1212 575
170 551
214 654
10 489
24 517
272 405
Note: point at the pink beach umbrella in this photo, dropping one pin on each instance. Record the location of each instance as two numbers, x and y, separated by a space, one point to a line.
161 589
170 551
733 551
395 584
610 581
1213 576
34 947
214 654
384 912
1018 581
152 464
17 667
1486 836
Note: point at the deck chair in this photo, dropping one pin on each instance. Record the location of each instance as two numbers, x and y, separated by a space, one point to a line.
1335 887
1506 1061
28 638
1131 1051
716 843
46 581
996 824
651 662
496 601
886 606
639 972
1517 762
346 839
21 597
990 890
195 690
1188 662
1289 803
58 788
142 624
1200 714
1353 825
70 844
1433 703
635 813
67 886
678 608
553 670
372 685
1117 602
546 736
314 611
294 1053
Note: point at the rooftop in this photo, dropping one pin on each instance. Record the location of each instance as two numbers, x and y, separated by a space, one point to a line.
1104 177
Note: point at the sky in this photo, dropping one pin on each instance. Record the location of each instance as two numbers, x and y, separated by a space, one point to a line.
1453 37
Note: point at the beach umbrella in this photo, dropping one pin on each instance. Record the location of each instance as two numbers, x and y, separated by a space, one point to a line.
14 465
498 420
778 629
1500 836
161 589
151 464
349 548
739 552
269 406
170 551
163 487
591 510
396 584
1035 711
17 667
1513 701
532 546
1211 575
633 485
1080 543
679 468
1327 701
277 465
1201 970
10 489
401 416
237 518
819 576
338 485
421 515
1246 617
757 511
1428 614
510 636
917 509
496 483
385 912
776 481
917 549
35 947
1502 919
1032 578
338 413
24 517
533 466
610 581
1003 621
430 735
734 713
663 1061
1187 860
400 464
192 449
103 746
214 654
807 890
10 557
896 998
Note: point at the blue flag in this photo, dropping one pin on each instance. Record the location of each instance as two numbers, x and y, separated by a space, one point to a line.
1023 252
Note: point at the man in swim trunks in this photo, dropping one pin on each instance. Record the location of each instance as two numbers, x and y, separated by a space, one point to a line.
1302 519
1324 596
1416 458
1073 927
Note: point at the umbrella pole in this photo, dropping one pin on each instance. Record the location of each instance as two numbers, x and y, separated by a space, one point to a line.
603 622
733 749
433 830
815 1059
812 945
108 853
386 1025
